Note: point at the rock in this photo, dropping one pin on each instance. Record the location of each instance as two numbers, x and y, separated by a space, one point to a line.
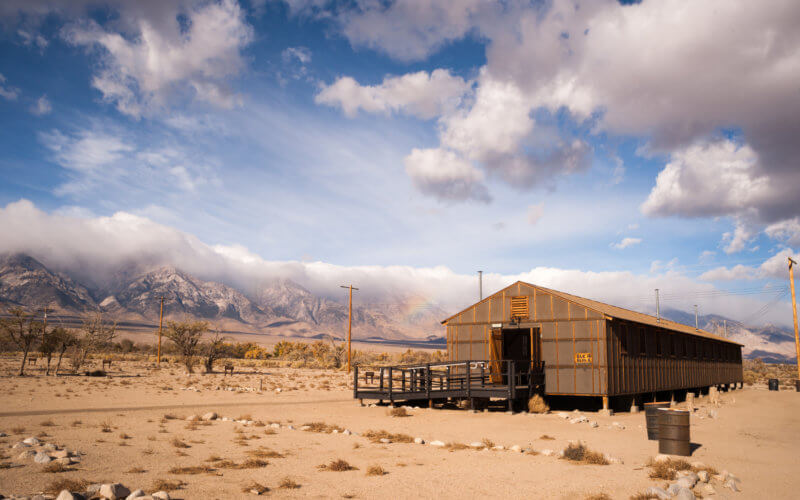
563 415
31 441
305 428
516 448
419 441
593 424
707 490
278 389
702 476
290 427
114 491
684 494
192 418
42 458
661 458
60 454
346 432
160 495
93 489
654 491
698 465
617 425
385 440
67 495
136 494
612 459
210 416
3 434
20 445
275 425
335 431
63 461
547 453
476 444
733 484
50 447
255 492
499 447
578 420
437 443
688 479
713 414
26 455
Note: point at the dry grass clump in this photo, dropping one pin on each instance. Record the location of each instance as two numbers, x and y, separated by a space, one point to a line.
194 469
137 470
106 426
578 452
76 423
177 443
487 442
169 416
122 435
56 467
47 423
545 437
598 496
253 463
322 427
166 485
399 412
667 469
288 483
18 430
456 446
644 496
376 470
69 484
376 436
338 465
254 487
264 453
537 405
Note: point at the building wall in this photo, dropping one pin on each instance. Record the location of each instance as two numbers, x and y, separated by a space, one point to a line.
648 359
566 330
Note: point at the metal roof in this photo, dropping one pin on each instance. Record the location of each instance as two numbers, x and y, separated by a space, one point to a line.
614 312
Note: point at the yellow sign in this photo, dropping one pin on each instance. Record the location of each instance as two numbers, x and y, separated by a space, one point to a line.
583 357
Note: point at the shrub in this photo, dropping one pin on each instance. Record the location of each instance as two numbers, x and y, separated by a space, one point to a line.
578 452
288 483
376 436
537 405
338 465
375 470
399 412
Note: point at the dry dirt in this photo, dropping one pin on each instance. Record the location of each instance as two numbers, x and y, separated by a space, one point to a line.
754 436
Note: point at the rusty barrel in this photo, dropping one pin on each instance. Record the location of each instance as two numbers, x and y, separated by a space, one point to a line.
651 415
773 384
673 432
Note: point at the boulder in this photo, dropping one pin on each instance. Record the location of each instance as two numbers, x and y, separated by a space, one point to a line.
31 441
20 445
114 491
659 493
135 494
707 490
210 416
42 458
160 495
60 454
67 495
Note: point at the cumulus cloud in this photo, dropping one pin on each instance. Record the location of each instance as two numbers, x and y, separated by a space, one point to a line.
42 106
773 267
160 58
94 249
444 175
422 94
301 54
787 231
6 91
626 242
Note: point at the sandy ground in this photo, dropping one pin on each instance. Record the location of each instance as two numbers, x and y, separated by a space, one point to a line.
754 436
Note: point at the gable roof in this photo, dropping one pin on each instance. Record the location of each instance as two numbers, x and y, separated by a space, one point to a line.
613 312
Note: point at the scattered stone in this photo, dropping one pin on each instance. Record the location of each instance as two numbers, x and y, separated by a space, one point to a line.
136 494
20 445
476 444
563 415
114 491
498 447
335 431
593 424
707 490
278 389
63 461
160 495
60 454
419 441
50 447
617 425
275 425
612 460
683 493
67 495
255 492
547 453
192 418
385 440
437 443
93 489
516 448
657 492
688 479
579 420
42 458
305 428
703 476
733 484
31 441
26 455
290 427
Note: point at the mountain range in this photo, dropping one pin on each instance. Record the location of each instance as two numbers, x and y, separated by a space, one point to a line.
282 307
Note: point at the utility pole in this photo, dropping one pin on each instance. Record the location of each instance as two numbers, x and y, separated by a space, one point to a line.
794 314
725 328
160 325
695 318
658 310
349 323
480 285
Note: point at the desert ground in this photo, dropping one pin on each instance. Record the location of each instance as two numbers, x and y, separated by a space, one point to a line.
281 432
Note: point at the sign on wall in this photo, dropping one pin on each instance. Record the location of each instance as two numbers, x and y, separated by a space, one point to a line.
583 357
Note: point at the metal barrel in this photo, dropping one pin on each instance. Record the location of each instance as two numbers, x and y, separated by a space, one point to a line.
673 432
797 385
651 415
773 384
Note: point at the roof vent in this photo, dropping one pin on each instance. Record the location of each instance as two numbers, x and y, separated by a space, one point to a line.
519 307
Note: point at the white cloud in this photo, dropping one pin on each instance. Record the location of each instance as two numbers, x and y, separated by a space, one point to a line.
774 267
422 94
444 175
94 248
301 54
160 59
742 234
535 212
42 106
626 242
32 39
7 92
787 231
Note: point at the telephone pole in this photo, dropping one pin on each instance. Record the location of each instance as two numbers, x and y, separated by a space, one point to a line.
658 310
695 318
349 323
160 325
480 285
794 314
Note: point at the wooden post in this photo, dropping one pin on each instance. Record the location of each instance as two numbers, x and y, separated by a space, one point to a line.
160 325
794 315
428 384
381 380
355 382
510 376
391 398
349 323
469 386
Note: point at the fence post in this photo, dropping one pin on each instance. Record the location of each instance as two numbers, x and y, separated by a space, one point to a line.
391 397
483 375
469 386
510 372
428 384
381 380
355 381
403 375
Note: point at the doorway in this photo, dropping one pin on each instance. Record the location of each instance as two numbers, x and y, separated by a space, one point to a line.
520 345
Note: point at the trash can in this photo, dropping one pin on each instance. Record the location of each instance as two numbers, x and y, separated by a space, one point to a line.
651 416
673 432
773 384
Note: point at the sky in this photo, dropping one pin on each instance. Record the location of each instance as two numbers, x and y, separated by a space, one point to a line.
603 148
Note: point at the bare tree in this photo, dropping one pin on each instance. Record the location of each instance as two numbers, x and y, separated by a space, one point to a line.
64 339
23 331
186 336
213 350
48 346
96 333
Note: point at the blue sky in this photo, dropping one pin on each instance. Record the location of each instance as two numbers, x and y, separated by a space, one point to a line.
289 129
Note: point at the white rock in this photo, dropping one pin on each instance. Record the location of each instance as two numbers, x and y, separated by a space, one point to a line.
593 424
733 484
136 494
547 453
385 440
578 420
305 428
617 425
476 444
563 415
661 458
63 461
516 448
688 480
657 492
498 447
60 454
612 459
708 490
346 432
437 443
26 455
278 389
31 441
192 418
42 458
702 476
160 495
335 431
114 491
20 445
419 441
66 495
290 427
275 425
